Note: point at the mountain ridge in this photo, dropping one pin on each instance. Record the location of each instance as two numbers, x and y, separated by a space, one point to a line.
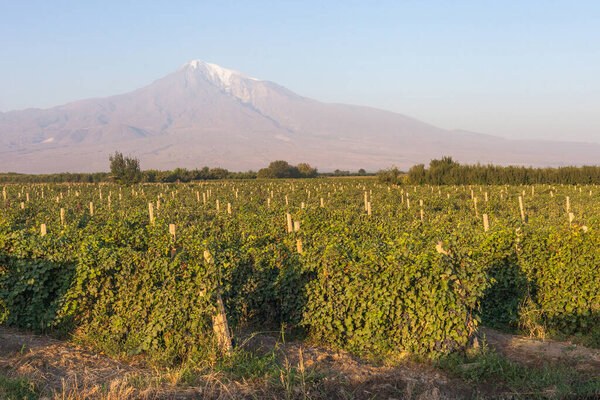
204 114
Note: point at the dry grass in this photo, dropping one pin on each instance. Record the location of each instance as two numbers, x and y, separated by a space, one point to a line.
264 369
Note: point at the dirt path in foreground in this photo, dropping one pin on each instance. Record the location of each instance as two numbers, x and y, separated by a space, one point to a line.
66 371
534 352
63 370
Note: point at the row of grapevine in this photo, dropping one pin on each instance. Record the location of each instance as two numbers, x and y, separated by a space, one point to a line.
354 263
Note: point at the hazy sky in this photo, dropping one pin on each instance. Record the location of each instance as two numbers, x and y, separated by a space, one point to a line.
509 68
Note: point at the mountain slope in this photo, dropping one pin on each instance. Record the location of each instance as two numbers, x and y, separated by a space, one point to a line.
203 114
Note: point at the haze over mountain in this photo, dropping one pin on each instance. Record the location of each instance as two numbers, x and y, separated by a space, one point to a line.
203 114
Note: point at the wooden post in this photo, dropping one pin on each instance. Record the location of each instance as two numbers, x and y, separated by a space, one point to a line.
172 230
521 208
204 198
571 218
220 325
91 208
322 202
62 216
486 196
151 212
299 245
302 205
218 205
22 205
369 208
422 216
228 208
198 196
296 226
269 202
286 201
43 229
486 225
568 205
288 218
475 205
407 202
366 202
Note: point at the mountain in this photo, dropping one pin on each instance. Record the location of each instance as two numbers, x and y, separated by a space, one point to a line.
203 114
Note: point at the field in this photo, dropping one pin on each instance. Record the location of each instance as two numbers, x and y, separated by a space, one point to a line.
182 275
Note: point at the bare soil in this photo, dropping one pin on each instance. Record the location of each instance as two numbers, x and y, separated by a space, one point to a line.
533 351
63 370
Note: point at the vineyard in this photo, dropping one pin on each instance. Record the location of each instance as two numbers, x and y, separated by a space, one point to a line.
180 271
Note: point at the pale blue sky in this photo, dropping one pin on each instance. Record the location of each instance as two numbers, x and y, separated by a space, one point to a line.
509 68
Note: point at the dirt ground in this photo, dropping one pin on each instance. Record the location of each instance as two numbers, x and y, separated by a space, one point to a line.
63 370
66 370
533 352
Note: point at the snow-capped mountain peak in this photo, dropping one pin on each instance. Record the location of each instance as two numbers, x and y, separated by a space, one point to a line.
215 73
229 81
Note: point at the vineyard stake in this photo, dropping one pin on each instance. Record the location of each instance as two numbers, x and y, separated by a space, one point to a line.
151 212
571 218
220 325
521 208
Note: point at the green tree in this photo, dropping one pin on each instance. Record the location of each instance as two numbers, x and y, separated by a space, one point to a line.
265 173
417 174
306 171
282 169
440 171
391 175
125 170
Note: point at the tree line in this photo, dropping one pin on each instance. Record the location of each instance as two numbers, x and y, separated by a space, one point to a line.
446 171
127 170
